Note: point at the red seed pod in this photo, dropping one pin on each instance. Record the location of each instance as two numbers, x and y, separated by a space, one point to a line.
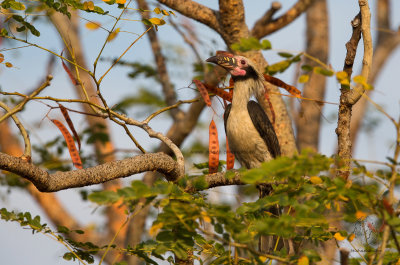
73 152
219 92
203 92
64 112
277 82
213 148
230 158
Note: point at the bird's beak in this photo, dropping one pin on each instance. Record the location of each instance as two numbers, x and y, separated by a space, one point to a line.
229 63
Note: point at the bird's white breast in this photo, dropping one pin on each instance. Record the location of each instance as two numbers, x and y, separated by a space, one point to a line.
244 140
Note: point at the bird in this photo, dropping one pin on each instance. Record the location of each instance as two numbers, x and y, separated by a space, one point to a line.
251 135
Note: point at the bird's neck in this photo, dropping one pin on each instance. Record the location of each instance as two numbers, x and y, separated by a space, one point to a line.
243 90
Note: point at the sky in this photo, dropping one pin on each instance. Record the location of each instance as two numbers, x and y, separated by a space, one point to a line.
30 64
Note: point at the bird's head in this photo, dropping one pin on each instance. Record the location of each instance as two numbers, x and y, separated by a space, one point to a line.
240 68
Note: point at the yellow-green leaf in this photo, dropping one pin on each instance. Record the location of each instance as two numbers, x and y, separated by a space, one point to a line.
304 78
120 2
339 237
157 10
359 79
92 25
155 228
360 215
341 75
17 5
316 180
165 12
113 34
303 260
362 81
155 20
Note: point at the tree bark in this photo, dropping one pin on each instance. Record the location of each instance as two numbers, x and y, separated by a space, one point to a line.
308 121
386 44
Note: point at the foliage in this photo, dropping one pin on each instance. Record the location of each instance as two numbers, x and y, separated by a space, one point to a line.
303 186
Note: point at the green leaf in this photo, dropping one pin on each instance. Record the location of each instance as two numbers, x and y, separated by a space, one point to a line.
285 54
247 44
278 67
165 236
200 183
266 45
306 68
104 197
323 71
3 32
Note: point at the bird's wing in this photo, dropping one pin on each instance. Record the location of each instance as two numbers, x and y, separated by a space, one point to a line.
226 115
264 127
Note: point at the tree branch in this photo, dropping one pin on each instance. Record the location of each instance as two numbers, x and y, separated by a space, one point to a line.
27 150
195 11
264 26
358 91
387 42
46 182
344 116
232 20
308 124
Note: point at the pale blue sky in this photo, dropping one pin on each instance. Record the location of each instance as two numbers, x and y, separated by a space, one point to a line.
19 246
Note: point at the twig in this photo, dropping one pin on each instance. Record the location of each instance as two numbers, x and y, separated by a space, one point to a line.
180 102
106 40
119 58
21 105
188 41
27 150
47 50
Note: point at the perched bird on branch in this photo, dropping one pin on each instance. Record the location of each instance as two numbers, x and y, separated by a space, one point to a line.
251 136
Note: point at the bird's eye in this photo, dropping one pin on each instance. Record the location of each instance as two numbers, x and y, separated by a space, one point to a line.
243 62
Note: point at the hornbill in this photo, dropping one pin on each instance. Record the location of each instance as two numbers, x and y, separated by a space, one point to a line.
251 136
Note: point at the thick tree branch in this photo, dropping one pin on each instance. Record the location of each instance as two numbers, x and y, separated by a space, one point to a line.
264 26
344 116
232 20
46 182
361 25
195 11
387 42
308 123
